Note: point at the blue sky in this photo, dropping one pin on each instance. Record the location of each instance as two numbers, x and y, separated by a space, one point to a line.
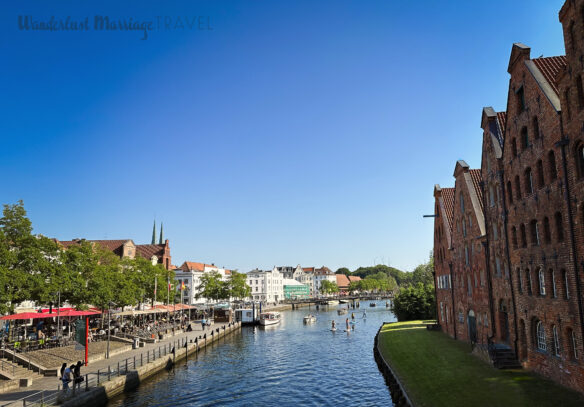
291 132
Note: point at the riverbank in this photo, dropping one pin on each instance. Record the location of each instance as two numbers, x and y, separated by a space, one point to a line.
436 370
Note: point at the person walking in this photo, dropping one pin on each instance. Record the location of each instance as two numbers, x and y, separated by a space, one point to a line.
77 378
66 377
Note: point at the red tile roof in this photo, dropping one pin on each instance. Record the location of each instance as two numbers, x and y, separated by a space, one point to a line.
342 281
308 269
191 265
354 278
149 250
476 180
115 246
550 67
448 196
323 270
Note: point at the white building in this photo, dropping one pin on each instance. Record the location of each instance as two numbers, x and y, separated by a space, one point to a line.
320 275
190 274
266 286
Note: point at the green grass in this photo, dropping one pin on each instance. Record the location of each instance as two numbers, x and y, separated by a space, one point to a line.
437 371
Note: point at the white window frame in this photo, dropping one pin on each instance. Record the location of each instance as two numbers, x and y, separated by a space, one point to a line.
556 341
541 281
540 336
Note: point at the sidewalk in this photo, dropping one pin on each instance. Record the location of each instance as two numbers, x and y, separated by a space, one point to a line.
50 384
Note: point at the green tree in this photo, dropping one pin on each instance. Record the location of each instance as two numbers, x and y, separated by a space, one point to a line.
213 287
328 287
343 270
237 283
415 302
424 273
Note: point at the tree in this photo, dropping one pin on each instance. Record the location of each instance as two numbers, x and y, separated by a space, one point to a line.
424 273
238 287
415 302
343 270
213 287
328 287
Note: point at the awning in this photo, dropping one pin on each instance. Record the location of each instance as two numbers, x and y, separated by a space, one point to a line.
28 315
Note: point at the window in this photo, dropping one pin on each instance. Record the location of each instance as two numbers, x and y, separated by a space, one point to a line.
553 281
580 160
528 181
528 280
461 197
509 192
552 166
495 232
556 341
524 138
485 320
517 188
559 227
466 260
580 92
572 36
566 284
540 177
520 99
491 196
514 147
547 235
498 266
541 276
520 280
567 99
469 286
540 336
523 236
534 229
535 125
464 227
514 237
573 345
482 278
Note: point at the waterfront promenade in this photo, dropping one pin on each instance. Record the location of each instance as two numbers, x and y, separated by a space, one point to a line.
46 388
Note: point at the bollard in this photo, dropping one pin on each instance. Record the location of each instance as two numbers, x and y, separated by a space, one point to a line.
98 376
86 382
118 368
109 373
134 361
126 366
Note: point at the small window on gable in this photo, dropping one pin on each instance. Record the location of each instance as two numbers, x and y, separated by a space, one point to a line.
524 138
553 281
528 281
541 280
535 125
520 278
528 181
559 227
514 147
580 160
573 344
540 177
566 284
534 229
552 165
520 99
556 341
572 34
547 235
509 192
517 188
514 237
523 236
491 196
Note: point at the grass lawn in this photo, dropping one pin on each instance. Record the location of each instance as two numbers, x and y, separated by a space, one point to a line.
436 370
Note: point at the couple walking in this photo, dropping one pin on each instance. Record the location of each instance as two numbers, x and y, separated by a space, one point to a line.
71 374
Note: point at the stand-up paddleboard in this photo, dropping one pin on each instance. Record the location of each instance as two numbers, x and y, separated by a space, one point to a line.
333 329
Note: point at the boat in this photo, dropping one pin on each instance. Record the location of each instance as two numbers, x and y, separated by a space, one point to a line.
270 318
342 311
343 301
373 304
332 302
309 318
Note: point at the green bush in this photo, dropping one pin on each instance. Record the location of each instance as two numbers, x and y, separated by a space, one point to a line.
415 302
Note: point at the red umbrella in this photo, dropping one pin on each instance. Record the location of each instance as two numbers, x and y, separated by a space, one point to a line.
75 313
28 315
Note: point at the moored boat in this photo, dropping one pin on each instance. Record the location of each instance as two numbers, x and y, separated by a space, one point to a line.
332 302
270 318
344 301
342 311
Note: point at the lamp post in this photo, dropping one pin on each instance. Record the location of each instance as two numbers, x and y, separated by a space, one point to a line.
58 311
109 320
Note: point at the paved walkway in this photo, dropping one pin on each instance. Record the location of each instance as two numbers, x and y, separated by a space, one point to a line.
50 384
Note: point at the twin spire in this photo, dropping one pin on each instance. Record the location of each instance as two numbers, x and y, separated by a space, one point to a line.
154 233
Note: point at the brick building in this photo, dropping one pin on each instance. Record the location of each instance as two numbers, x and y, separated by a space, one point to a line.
531 193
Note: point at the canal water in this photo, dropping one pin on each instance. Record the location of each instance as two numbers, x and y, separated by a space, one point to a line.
289 364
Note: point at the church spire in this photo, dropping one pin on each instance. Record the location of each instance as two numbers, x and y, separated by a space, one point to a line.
161 234
154 232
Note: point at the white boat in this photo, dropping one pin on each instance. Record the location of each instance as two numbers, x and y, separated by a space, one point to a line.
309 318
342 311
270 318
332 302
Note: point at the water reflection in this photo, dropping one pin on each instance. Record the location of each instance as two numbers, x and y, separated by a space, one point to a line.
291 363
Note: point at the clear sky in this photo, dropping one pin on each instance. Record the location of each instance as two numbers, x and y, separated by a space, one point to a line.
291 132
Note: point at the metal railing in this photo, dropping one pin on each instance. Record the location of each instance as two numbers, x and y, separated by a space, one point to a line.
92 380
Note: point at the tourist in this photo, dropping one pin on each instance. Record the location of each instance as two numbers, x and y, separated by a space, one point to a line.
334 326
364 314
66 377
77 375
203 323
347 322
353 316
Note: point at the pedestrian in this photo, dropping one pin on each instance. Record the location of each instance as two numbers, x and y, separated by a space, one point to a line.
347 322
77 375
203 323
62 371
66 377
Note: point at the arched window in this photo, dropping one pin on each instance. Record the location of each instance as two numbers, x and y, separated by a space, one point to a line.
534 229
509 192
553 281
461 197
520 278
528 181
552 166
556 341
580 160
572 343
514 237
491 196
566 284
514 147
523 236
464 227
535 124
517 188
540 340
541 278
524 138
540 177
572 35
528 281
559 227
547 234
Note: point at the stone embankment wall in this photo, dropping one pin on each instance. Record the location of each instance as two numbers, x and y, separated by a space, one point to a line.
99 396
399 396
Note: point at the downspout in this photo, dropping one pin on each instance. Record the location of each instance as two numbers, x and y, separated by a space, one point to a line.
488 261
507 253
563 143
453 303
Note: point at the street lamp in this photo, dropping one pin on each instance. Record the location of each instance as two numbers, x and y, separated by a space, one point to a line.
109 320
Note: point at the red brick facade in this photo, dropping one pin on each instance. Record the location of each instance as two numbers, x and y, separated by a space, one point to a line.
531 188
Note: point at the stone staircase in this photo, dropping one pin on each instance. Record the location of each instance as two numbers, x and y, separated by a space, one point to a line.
9 369
503 357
